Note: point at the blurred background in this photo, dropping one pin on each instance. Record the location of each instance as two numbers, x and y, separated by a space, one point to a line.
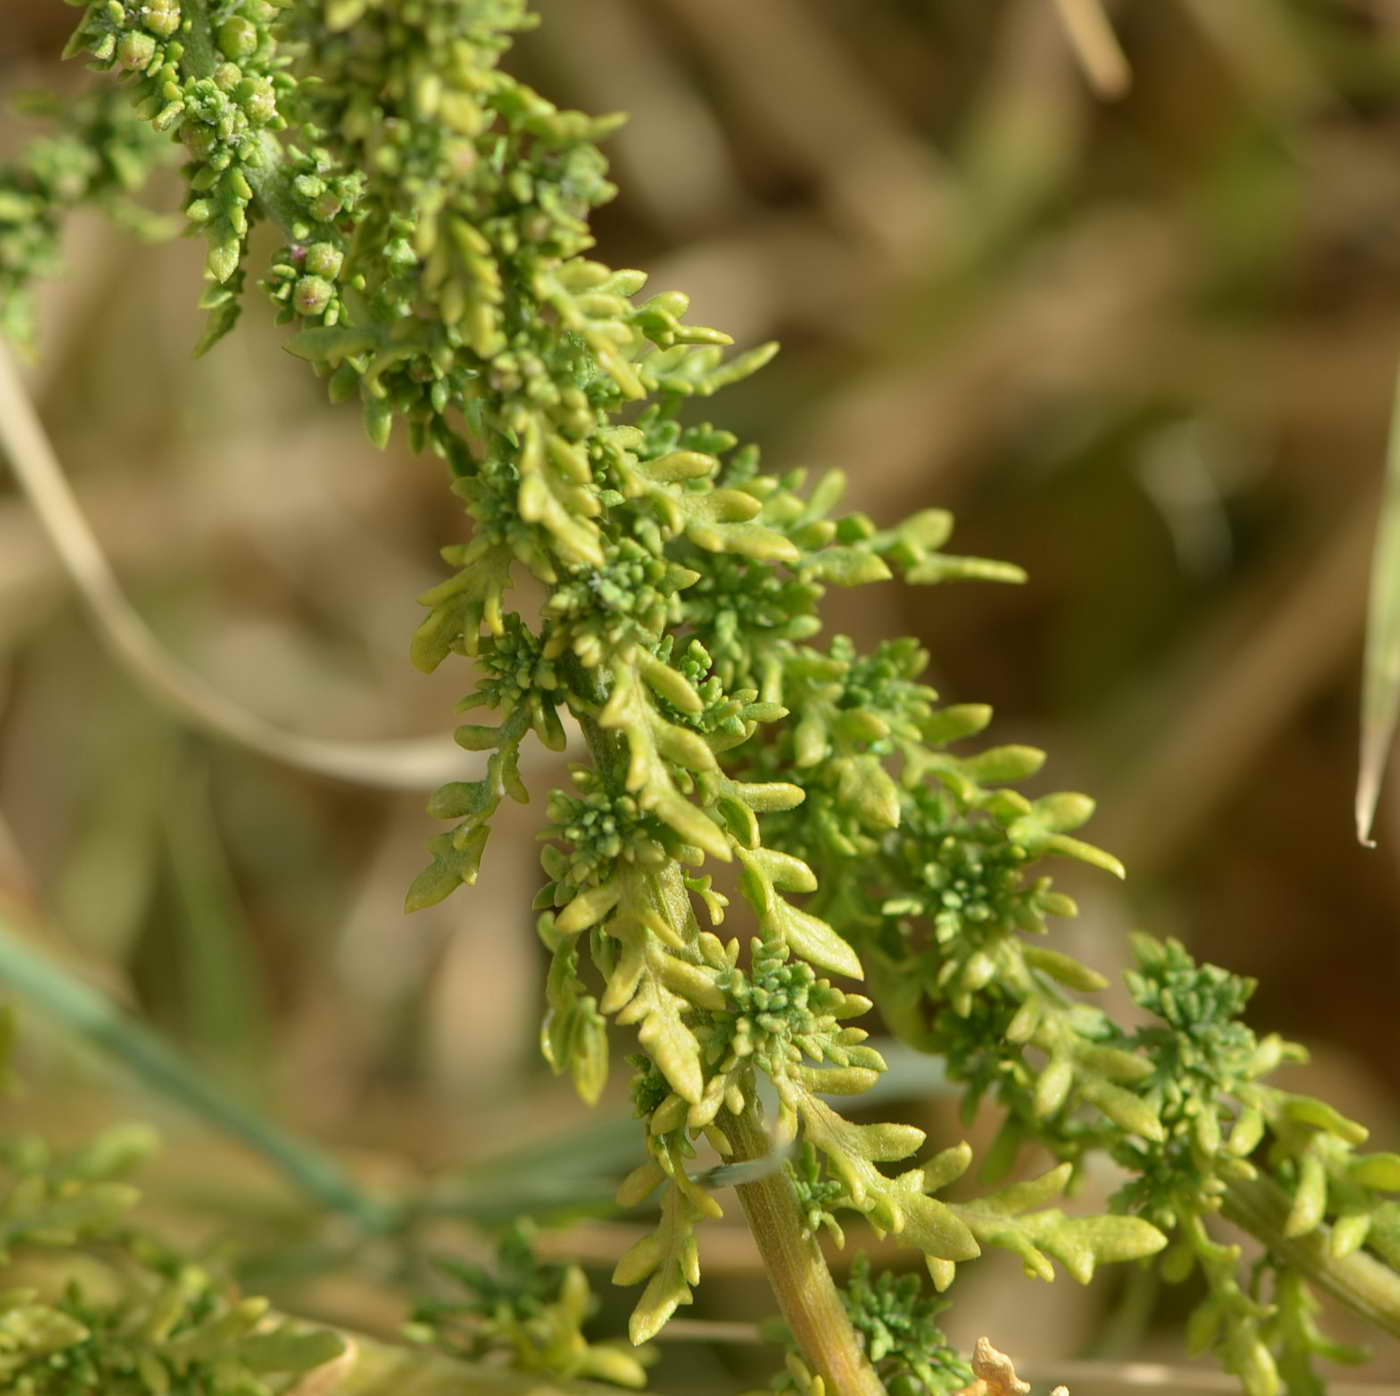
1145 349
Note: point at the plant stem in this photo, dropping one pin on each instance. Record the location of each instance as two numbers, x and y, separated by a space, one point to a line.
1362 1283
797 1270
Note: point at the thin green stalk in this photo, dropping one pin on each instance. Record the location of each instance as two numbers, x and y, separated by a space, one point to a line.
806 1293
1365 1285
91 1016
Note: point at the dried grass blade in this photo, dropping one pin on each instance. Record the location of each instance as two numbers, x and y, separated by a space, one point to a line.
1096 46
414 764
1380 693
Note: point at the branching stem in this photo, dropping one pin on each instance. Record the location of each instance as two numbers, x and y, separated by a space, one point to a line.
269 176
806 1292
1365 1285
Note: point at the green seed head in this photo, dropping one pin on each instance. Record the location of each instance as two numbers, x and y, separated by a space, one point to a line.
237 38
312 295
161 17
135 50
323 259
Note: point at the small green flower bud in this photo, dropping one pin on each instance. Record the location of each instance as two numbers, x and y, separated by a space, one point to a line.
427 93
135 50
323 259
1349 1233
257 99
227 76
312 295
161 17
379 423
237 38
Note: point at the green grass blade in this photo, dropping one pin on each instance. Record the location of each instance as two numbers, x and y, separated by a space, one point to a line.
225 999
87 1013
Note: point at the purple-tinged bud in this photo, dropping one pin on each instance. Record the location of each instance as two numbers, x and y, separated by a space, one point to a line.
312 295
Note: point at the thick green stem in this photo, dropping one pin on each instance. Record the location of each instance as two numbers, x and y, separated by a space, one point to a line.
1361 1282
797 1270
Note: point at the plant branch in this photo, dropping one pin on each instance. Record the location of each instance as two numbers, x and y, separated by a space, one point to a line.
1362 1283
269 178
797 1271
413 764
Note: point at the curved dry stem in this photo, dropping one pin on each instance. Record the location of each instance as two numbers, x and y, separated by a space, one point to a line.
415 764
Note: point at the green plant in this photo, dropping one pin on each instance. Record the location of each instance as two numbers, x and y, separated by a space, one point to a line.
529 1310
136 1317
434 217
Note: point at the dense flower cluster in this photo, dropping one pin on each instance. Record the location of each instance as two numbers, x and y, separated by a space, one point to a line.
898 1327
134 1319
100 152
